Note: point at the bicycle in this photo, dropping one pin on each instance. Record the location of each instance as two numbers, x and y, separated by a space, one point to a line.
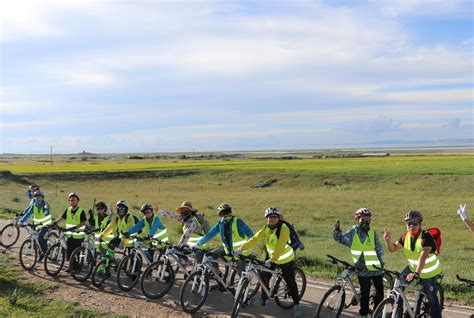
159 276
102 269
10 233
56 255
334 300
468 283
198 282
389 307
30 250
129 268
277 288
84 258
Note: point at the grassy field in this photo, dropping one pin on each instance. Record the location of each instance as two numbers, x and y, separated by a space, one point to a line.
312 194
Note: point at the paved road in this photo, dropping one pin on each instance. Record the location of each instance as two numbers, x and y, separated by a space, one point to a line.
219 304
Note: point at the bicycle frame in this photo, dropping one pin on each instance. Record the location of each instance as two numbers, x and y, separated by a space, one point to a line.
345 279
252 271
138 249
208 267
396 293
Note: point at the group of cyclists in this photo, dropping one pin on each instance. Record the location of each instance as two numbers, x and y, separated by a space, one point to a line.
420 248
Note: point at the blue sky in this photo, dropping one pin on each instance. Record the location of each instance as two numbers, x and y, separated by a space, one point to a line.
156 76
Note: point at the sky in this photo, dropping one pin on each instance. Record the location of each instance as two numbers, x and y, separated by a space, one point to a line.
116 76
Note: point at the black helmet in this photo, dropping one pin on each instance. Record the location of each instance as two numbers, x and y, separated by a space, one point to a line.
101 205
224 208
146 207
413 214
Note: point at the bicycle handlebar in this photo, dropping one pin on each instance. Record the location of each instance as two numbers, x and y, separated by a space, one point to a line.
465 280
336 260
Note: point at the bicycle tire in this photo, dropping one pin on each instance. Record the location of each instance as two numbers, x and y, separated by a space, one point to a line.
77 264
381 310
339 303
301 289
239 300
124 271
100 273
254 287
9 231
31 245
54 253
424 305
194 281
168 283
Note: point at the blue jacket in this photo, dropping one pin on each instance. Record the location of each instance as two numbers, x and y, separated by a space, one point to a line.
243 229
29 210
141 224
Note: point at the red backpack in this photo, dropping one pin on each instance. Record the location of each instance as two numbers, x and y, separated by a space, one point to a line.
436 233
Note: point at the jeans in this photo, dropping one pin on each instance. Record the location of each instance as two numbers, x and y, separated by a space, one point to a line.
430 289
365 284
42 241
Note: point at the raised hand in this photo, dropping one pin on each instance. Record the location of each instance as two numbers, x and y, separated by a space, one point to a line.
462 211
337 226
387 234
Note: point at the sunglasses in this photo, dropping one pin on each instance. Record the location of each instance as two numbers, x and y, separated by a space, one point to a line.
272 216
413 223
121 209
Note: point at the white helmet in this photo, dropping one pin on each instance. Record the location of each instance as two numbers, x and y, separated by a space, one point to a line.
363 211
272 210
73 194
122 202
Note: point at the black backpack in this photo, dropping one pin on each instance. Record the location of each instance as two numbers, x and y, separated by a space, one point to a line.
295 241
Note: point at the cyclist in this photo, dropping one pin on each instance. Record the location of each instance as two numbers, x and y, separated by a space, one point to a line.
421 254
75 218
118 226
192 229
279 253
153 229
464 217
366 252
100 221
232 231
39 210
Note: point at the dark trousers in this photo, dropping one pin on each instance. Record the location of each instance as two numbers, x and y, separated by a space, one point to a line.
288 273
42 241
72 244
365 284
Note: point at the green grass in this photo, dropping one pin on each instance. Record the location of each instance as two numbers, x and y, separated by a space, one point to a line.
29 302
312 194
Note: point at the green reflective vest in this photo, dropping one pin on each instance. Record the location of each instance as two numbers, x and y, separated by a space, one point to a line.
123 226
271 240
102 225
236 239
40 220
367 248
195 237
432 266
72 221
160 235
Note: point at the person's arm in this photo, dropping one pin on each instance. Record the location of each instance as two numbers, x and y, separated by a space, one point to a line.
137 227
110 228
259 236
62 219
170 215
379 249
209 236
469 224
26 214
282 241
187 234
387 236
343 238
244 229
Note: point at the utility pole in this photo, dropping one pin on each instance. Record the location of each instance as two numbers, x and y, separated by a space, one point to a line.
51 148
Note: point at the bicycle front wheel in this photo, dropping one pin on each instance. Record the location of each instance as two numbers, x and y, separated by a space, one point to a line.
332 303
240 299
101 273
54 259
128 272
81 264
157 280
386 309
194 292
28 254
9 235
300 278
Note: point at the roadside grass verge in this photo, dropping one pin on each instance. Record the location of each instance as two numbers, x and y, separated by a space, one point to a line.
20 298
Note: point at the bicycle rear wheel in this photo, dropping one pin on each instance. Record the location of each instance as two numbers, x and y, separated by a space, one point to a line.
194 292
101 273
128 272
81 264
300 278
28 254
9 235
332 303
54 259
386 309
239 300
157 280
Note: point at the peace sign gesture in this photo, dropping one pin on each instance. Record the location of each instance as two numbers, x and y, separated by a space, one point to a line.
462 211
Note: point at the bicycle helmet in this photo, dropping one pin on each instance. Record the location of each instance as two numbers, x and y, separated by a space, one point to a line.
413 214
122 203
101 205
272 210
39 192
146 207
224 208
73 194
363 211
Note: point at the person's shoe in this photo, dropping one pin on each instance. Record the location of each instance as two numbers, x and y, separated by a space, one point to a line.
41 257
298 311
67 270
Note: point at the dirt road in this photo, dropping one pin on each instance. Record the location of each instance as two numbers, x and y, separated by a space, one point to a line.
111 299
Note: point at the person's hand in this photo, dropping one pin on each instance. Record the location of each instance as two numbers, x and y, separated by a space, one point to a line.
18 225
100 237
337 226
194 248
387 234
268 263
46 205
462 212
411 277
238 251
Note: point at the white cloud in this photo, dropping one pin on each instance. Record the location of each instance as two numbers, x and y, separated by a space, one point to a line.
432 96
